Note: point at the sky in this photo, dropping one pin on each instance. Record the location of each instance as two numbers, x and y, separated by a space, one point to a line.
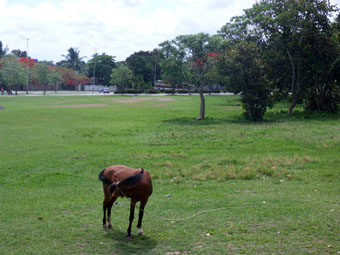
116 27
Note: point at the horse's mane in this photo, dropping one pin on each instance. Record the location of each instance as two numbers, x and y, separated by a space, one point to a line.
131 180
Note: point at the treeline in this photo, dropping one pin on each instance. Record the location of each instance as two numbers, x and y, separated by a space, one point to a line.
288 49
278 49
17 71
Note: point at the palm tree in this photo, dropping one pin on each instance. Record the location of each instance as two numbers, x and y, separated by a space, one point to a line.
3 51
73 61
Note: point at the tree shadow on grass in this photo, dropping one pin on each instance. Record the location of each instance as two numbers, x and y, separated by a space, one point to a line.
270 118
300 116
214 121
139 244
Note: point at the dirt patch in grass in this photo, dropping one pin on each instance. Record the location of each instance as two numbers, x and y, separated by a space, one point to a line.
142 99
78 106
59 102
148 106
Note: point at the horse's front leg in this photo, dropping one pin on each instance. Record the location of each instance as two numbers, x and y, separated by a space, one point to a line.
132 214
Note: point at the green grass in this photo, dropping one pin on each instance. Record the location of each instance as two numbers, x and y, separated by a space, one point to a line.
280 178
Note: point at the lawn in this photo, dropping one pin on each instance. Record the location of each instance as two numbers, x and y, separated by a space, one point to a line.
277 182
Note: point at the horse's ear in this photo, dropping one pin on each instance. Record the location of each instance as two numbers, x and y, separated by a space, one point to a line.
142 169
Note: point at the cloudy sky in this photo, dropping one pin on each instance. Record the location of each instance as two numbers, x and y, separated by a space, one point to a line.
116 27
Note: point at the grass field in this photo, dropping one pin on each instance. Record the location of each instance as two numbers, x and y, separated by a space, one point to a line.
279 179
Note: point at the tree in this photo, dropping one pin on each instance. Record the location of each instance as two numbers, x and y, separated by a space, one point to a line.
100 67
295 33
19 53
3 50
72 78
73 61
142 64
55 76
198 49
172 64
43 75
322 87
122 76
246 75
12 72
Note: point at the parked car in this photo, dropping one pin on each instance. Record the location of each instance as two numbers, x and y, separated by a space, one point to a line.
106 90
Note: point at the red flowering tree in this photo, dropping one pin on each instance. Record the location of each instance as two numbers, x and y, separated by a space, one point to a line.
28 61
72 78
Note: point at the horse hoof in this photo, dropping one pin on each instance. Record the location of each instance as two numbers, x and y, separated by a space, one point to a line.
104 227
129 238
140 232
110 226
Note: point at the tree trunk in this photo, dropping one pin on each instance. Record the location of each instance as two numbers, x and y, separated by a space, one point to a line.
202 108
295 95
295 84
292 106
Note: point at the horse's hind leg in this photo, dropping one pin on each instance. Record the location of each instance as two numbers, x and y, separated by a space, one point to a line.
140 217
132 215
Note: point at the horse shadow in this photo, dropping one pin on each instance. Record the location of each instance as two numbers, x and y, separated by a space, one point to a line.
138 244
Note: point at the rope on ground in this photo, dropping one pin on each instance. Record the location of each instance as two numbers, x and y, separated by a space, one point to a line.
194 215
199 213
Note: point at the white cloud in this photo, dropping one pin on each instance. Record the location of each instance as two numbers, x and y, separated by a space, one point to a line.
117 27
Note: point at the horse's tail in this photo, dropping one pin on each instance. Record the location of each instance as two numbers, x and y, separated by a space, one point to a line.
130 181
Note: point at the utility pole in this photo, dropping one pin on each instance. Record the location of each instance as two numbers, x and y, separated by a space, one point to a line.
155 74
94 70
27 67
27 71
95 62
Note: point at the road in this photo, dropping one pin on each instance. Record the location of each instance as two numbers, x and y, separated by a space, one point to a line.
90 93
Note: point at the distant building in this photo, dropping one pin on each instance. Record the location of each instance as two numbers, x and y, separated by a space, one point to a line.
160 85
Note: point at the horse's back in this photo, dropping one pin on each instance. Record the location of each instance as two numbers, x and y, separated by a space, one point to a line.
117 173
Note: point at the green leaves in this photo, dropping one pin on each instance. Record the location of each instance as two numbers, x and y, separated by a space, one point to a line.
3 50
243 65
122 77
100 67
12 72
73 60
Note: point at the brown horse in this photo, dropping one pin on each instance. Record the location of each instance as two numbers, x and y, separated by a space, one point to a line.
120 181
